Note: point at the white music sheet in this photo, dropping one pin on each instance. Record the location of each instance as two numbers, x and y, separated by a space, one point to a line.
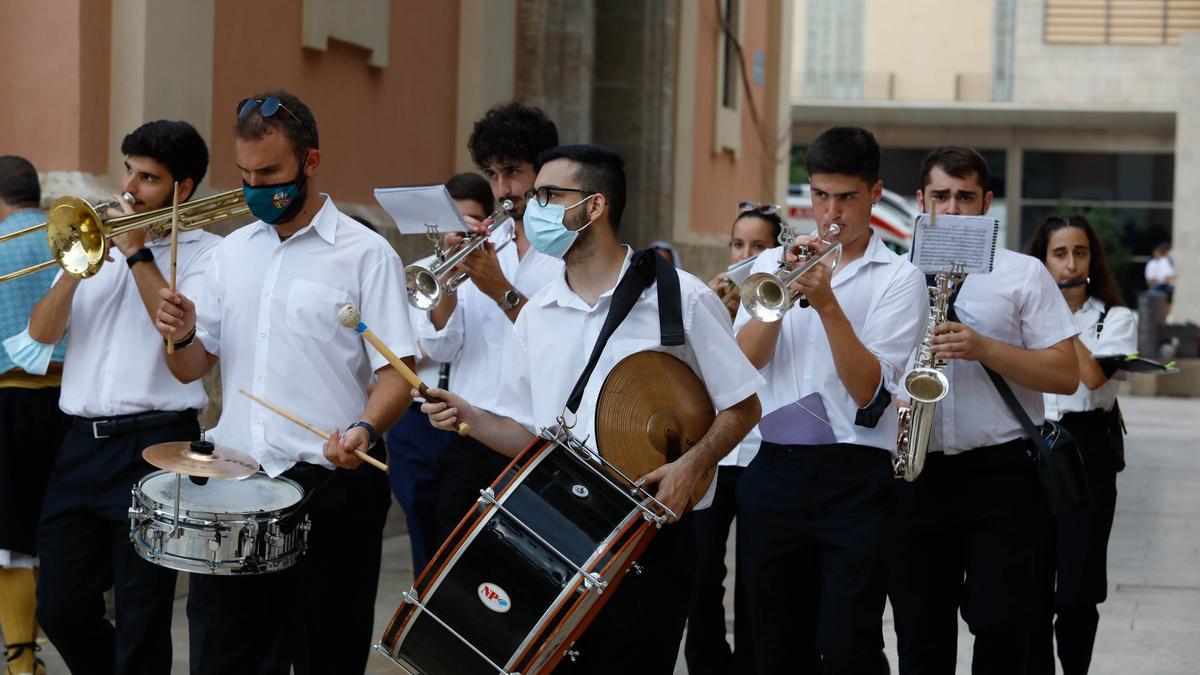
419 208
955 244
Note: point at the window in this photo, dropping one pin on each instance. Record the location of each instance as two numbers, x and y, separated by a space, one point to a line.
728 132
1120 22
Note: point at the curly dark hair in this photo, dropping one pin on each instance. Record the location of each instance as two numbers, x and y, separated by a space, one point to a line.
512 131
175 145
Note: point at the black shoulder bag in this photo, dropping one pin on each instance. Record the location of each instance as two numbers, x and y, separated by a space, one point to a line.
1059 464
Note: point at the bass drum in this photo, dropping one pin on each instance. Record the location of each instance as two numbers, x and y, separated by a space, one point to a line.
524 573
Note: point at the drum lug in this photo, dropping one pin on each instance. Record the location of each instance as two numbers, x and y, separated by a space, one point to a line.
637 568
572 654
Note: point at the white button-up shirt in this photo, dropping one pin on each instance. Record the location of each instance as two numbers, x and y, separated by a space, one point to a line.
114 362
270 314
472 341
555 333
885 299
1118 337
1018 303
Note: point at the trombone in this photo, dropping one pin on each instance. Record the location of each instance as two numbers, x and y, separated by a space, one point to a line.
767 296
79 236
428 285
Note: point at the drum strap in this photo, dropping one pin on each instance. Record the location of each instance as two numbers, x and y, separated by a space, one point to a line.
645 268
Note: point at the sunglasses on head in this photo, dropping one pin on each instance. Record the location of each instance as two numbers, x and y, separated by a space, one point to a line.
755 207
267 107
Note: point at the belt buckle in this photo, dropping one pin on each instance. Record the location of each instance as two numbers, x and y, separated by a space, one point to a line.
96 429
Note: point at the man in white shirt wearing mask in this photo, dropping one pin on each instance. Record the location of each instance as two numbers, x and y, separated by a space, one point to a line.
269 313
468 328
968 530
573 212
815 505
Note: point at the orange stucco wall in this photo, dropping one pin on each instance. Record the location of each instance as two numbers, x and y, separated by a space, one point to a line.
719 181
54 74
378 126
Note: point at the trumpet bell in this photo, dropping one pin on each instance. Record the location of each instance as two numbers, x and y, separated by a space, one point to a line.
424 289
76 235
926 385
764 297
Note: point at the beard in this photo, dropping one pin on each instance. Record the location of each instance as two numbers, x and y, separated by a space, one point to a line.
581 250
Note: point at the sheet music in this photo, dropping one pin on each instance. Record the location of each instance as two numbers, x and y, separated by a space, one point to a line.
418 209
968 242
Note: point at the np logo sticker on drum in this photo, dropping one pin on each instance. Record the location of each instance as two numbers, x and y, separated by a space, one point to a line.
494 598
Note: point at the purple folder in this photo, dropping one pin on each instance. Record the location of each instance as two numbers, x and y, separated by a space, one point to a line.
802 422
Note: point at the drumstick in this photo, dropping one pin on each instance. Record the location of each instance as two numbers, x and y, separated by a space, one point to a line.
174 252
324 436
350 317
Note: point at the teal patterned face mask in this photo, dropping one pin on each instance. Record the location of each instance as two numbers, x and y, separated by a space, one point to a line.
276 203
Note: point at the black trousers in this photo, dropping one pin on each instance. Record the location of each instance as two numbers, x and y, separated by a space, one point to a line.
31 432
316 616
967 536
413 447
640 627
1075 565
84 548
706 649
816 526
466 466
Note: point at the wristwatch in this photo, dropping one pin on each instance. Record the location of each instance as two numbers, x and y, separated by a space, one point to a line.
511 299
370 430
142 254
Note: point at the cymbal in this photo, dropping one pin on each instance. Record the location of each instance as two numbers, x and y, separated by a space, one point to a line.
652 409
182 457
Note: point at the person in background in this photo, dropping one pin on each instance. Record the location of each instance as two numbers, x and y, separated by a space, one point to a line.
1160 272
31 425
413 443
755 229
668 252
1076 576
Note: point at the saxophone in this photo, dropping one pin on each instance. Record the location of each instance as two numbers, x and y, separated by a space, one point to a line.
926 384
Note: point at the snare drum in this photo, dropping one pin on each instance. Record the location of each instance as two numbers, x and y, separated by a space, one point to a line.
225 527
516 584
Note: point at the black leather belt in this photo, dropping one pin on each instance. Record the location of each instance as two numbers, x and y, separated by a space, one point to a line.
119 425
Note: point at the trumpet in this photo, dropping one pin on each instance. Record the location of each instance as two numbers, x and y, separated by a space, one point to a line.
79 237
767 296
428 285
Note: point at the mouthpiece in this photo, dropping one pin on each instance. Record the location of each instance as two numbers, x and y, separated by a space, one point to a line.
834 229
349 316
1075 282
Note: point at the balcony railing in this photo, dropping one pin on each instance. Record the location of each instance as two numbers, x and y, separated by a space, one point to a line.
881 86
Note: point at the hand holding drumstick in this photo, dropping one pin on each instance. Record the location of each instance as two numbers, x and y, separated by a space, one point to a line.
325 436
350 317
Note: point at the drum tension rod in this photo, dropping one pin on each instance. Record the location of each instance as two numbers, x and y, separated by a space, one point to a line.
487 496
410 597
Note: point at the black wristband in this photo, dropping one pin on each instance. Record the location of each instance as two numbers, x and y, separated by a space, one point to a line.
186 341
370 430
142 254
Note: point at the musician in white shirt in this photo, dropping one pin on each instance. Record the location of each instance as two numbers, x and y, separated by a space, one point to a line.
269 313
122 399
969 527
814 507
1077 569
574 213
468 328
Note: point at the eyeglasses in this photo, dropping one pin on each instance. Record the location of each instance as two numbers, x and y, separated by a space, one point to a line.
755 207
267 107
542 194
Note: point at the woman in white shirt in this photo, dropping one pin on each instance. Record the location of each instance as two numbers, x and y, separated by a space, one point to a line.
755 229
1076 260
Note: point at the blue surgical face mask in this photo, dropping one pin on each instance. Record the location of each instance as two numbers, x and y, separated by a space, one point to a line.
276 203
545 229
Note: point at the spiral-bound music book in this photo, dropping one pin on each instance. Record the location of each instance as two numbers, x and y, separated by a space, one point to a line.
955 244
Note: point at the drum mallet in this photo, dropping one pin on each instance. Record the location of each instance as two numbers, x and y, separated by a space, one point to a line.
350 317
324 436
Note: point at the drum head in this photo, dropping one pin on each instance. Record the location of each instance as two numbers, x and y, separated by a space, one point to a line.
255 494
652 409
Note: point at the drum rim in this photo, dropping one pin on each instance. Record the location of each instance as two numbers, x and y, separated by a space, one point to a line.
197 516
